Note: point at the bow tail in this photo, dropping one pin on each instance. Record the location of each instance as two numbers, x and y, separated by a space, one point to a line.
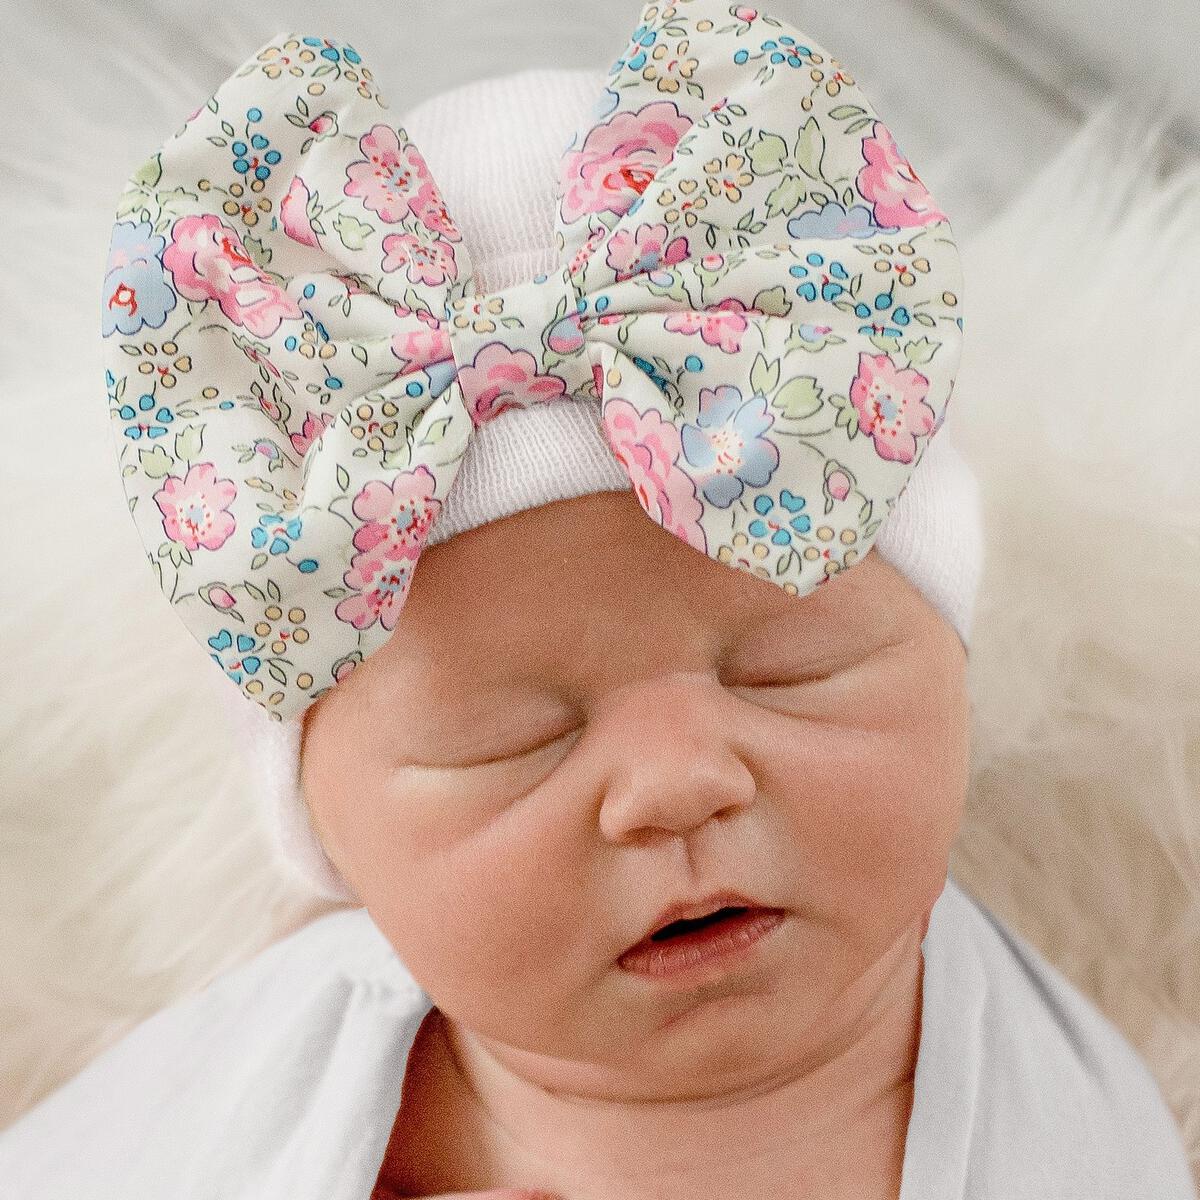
774 293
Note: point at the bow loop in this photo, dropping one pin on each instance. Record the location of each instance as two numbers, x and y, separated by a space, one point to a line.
285 469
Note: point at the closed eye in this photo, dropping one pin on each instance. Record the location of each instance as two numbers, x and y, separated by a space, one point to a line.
807 678
507 757
778 684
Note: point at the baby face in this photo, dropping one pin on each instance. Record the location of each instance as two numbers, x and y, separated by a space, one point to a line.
579 720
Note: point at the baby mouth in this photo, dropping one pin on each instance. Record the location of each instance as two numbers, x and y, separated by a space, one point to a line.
701 944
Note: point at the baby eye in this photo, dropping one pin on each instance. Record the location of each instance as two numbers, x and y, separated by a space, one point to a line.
507 757
518 755
774 680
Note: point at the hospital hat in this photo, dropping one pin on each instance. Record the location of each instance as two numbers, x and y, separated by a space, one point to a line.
706 273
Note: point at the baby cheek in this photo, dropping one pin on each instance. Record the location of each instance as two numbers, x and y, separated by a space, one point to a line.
869 811
488 912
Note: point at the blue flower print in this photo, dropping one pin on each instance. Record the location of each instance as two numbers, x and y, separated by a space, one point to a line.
780 527
279 532
255 159
605 103
725 442
240 662
831 278
643 39
142 421
832 220
333 49
660 381
782 50
900 315
135 291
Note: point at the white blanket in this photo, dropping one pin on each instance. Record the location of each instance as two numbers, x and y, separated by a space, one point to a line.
281 1081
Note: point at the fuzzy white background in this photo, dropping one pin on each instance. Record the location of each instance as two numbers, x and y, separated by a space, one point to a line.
131 869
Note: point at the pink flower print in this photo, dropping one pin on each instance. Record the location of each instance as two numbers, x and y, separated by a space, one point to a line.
195 508
499 379
619 159
891 406
647 446
644 248
315 424
437 219
719 325
420 348
396 521
207 261
399 513
423 262
218 597
890 182
380 587
345 666
293 212
323 125
585 251
393 179
837 484
565 336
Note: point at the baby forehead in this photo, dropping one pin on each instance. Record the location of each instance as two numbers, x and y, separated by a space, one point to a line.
587 592
550 621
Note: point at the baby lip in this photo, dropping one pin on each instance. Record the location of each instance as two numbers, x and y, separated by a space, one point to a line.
689 910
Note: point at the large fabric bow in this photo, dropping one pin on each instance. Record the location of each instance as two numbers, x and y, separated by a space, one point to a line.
754 283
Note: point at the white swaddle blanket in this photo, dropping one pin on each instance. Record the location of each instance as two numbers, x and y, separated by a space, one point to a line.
281 1081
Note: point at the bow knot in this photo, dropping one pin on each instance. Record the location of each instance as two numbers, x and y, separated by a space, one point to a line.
503 342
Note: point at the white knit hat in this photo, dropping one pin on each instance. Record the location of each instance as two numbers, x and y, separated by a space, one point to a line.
497 170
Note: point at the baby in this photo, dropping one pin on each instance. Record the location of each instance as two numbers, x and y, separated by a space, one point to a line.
578 723
648 847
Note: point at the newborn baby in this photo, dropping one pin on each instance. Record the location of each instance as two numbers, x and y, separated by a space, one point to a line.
649 846
578 723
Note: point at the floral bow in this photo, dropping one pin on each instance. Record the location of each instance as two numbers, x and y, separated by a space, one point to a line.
754 283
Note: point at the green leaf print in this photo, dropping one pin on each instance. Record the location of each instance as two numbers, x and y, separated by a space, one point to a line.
189 443
767 154
150 172
798 398
785 196
435 432
155 463
919 353
773 300
764 375
810 148
352 231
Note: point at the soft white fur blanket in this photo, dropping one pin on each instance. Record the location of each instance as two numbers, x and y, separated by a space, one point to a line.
132 868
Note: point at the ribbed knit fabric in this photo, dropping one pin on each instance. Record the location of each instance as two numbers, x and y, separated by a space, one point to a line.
494 147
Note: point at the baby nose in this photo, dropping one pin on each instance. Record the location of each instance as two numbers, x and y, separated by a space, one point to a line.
677 770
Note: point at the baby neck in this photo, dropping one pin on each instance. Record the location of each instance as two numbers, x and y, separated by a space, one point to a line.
826 1111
